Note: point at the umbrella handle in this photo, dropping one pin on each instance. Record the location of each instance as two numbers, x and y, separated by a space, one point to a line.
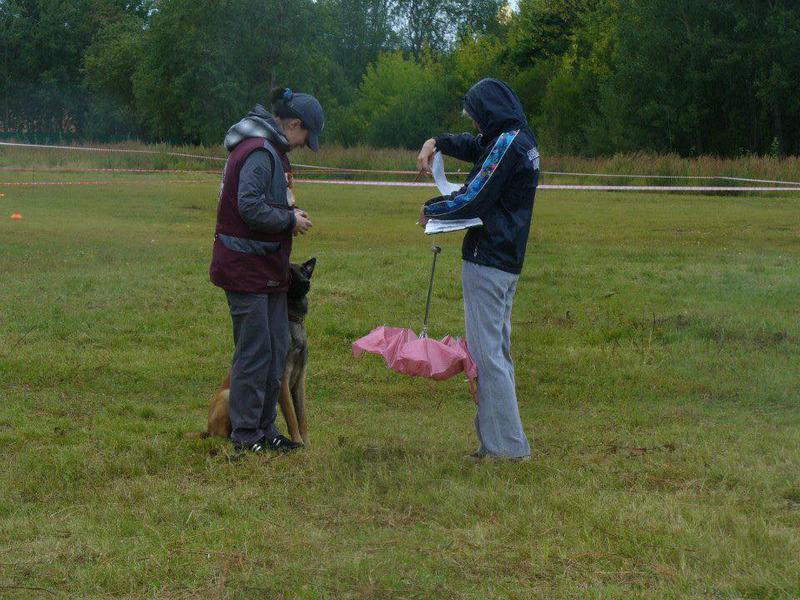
424 333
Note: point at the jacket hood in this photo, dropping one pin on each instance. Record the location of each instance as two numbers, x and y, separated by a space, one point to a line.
258 123
495 108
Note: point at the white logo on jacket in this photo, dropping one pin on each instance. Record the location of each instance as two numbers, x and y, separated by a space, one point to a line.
533 156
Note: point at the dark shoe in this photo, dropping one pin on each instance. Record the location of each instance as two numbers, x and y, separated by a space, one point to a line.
479 456
476 456
518 458
259 446
283 444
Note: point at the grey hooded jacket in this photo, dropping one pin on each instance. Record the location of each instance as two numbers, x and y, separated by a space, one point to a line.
253 197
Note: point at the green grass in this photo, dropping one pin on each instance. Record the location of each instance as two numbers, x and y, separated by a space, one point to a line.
656 341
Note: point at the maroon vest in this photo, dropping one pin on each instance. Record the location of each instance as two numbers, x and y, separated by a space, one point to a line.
244 260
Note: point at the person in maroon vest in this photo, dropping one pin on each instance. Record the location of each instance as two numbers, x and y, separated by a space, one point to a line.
256 220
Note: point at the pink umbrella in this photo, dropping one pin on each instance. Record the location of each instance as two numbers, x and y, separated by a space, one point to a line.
470 368
378 340
421 356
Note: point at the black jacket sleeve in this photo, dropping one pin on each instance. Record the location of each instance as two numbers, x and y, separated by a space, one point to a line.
480 192
464 146
252 200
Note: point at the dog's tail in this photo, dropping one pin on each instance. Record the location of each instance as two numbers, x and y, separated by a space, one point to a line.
195 435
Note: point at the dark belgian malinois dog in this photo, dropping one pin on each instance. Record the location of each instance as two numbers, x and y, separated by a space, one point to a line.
293 386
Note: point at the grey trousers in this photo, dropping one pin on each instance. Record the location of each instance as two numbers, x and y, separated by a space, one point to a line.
488 298
261 336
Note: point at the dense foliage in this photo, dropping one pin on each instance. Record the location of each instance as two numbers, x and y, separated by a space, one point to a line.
596 76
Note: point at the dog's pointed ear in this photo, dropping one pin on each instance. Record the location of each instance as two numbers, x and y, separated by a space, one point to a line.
308 267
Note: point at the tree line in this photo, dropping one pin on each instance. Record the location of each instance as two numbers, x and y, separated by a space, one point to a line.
596 77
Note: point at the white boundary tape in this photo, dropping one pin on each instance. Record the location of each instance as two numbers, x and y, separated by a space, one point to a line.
588 188
601 188
119 150
693 177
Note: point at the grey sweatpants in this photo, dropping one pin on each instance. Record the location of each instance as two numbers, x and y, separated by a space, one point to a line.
261 336
488 298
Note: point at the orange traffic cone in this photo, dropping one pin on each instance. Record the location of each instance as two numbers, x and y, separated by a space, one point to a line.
16 216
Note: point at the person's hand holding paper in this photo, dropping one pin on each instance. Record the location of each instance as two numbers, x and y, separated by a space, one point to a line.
433 225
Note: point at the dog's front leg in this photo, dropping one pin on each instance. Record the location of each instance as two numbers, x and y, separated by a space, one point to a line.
287 408
299 400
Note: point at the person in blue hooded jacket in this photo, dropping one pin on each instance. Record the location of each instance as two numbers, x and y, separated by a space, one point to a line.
500 190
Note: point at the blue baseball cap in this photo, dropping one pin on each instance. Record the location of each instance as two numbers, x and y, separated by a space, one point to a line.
309 111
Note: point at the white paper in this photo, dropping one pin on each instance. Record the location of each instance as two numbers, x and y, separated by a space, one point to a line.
443 226
445 189
437 170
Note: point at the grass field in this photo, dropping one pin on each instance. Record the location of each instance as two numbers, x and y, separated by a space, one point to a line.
657 344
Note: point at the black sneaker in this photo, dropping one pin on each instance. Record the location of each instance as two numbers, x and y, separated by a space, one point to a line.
476 456
479 456
259 446
281 443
